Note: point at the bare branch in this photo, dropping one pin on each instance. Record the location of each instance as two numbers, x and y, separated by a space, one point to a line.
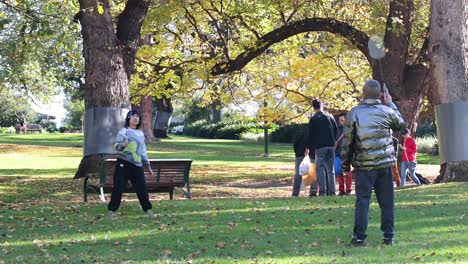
338 64
358 38
174 33
218 30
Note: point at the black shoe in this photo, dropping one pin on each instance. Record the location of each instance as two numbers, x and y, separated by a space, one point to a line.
388 241
357 243
348 193
341 193
312 195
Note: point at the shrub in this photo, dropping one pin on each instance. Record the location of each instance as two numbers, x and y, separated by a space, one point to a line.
252 137
288 133
222 130
194 128
232 131
428 144
426 129
7 130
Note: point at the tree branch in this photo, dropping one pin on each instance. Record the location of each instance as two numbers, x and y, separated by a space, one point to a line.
28 13
423 55
129 25
338 64
218 30
397 39
358 38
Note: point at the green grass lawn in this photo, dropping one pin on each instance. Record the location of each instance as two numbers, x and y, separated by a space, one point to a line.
42 218
424 158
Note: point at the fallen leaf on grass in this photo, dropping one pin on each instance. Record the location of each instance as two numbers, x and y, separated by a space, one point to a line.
167 252
221 245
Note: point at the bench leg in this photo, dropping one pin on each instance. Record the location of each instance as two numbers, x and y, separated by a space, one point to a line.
85 187
101 194
186 192
171 194
189 195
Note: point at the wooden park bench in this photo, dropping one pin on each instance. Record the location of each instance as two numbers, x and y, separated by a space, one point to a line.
33 128
168 174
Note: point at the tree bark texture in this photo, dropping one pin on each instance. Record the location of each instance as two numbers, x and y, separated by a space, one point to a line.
145 108
109 55
216 108
163 104
449 60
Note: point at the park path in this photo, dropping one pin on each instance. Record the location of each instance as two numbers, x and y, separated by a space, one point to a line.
276 189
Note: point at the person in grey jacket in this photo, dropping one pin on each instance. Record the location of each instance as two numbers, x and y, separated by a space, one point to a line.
132 157
368 147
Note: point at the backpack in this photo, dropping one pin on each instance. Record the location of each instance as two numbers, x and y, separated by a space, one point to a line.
422 179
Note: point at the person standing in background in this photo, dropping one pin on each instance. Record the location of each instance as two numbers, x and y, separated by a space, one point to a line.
343 178
322 135
408 158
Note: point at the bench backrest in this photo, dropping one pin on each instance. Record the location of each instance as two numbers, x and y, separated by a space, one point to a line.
33 127
167 173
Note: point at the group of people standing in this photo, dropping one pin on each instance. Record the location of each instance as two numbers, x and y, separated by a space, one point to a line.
322 143
362 139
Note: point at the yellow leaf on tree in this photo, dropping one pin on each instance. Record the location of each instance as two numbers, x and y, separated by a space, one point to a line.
100 9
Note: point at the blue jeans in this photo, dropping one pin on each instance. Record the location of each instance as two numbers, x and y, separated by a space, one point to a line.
324 159
411 167
382 182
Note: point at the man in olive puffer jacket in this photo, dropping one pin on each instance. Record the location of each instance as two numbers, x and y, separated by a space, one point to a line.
368 147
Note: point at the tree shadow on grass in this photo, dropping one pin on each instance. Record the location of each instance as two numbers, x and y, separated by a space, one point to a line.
25 185
268 230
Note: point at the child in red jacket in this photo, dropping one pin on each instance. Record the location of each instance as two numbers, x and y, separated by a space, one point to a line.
408 158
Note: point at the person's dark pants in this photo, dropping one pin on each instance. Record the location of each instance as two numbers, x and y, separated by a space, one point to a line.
125 171
382 181
298 180
324 160
297 177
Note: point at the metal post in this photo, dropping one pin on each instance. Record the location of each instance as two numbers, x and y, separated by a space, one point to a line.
265 134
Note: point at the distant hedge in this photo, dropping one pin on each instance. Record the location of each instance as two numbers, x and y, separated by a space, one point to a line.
288 133
222 130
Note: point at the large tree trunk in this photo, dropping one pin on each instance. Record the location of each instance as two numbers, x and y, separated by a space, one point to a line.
407 83
145 108
109 55
163 116
216 109
449 59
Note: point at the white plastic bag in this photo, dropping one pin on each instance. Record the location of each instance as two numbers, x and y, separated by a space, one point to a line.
304 166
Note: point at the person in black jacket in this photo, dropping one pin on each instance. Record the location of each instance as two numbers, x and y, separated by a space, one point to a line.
321 138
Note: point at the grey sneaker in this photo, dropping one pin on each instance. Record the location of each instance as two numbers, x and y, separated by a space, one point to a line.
111 214
149 213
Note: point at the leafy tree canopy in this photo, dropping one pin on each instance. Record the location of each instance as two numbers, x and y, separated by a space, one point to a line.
75 113
14 108
41 50
192 38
